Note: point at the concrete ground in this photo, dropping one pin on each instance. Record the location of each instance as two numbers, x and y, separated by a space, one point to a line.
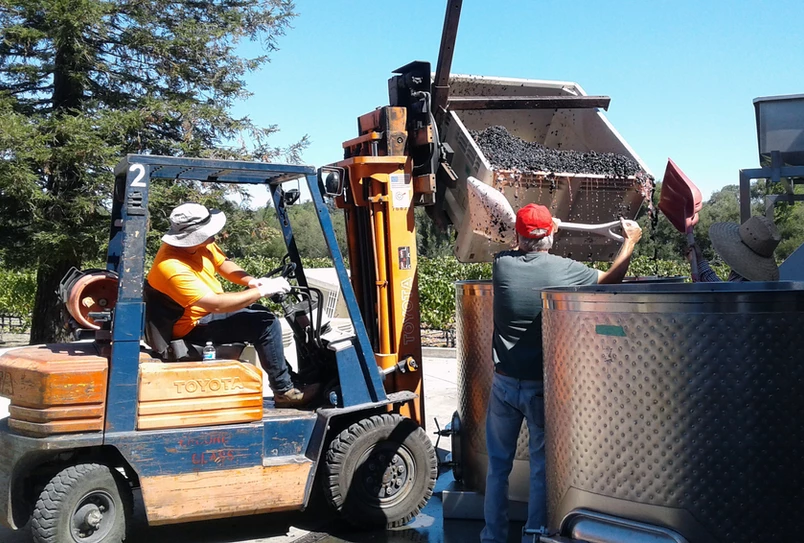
318 524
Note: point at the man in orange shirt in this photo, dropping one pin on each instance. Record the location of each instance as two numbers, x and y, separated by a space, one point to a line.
186 268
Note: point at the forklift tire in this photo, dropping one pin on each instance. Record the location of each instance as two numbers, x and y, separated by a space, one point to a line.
86 503
380 472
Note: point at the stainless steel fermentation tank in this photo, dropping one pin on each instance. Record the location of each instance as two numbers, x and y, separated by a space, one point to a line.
679 406
676 405
473 329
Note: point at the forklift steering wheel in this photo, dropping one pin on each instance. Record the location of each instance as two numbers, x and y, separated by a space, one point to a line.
286 269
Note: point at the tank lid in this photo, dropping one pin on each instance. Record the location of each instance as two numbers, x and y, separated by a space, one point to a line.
638 287
748 297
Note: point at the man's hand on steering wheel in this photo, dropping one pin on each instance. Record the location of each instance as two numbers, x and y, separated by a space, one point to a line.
270 286
276 287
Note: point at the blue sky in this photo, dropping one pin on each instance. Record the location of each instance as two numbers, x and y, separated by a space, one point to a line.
681 74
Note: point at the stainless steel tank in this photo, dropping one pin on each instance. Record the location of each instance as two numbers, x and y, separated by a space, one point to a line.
678 405
473 329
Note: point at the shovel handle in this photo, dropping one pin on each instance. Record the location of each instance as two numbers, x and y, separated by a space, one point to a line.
599 229
694 274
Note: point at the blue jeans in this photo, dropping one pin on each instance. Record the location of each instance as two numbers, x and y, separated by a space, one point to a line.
510 401
255 325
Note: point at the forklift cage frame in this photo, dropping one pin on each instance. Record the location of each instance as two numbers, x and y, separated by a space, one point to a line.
356 363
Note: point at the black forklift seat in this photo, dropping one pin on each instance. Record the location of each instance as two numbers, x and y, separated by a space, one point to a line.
161 313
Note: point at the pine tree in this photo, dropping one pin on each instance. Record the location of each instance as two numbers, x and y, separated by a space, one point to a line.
83 82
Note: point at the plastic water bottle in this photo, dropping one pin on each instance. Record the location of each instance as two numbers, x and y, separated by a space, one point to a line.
209 352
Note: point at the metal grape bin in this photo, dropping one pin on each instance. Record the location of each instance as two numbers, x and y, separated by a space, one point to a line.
780 127
569 195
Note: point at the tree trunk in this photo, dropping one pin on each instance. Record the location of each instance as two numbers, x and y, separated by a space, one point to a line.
47 324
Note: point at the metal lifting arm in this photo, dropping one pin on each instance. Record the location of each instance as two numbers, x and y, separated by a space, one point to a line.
391 168
378 203
445 52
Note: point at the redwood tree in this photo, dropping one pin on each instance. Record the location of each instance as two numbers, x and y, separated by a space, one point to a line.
83 82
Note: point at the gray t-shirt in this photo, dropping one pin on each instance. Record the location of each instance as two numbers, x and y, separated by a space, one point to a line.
518 279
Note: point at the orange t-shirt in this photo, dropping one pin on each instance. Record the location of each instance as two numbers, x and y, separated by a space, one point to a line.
187 278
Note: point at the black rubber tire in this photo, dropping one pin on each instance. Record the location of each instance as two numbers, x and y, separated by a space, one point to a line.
376 446
52 519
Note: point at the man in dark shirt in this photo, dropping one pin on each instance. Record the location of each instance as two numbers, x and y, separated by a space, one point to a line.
517 388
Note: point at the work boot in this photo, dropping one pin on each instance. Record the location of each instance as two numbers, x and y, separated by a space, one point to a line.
297 398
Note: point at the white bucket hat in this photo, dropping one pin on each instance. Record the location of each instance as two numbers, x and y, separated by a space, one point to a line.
748 248
193 224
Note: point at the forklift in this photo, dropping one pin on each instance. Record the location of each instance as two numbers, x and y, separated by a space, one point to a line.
130 408
93 419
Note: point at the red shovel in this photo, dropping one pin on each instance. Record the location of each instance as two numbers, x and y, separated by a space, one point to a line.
680 202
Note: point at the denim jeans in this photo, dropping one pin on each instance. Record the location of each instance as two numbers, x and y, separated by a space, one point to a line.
255 325
510 401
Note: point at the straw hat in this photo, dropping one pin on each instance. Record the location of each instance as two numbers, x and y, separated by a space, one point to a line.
193 224
748 248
